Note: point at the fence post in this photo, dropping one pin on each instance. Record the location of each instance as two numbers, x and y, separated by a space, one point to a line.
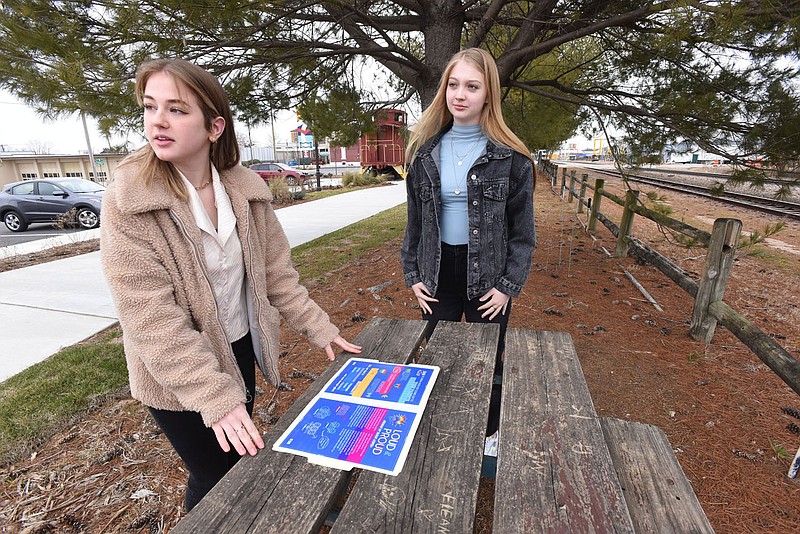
598 194
719 260
584 179
563 181
626 224
571 192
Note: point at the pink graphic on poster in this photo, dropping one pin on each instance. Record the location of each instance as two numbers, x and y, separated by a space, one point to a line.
386 387
367 435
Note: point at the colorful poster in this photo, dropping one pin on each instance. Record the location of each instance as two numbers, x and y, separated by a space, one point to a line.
365 416
369 379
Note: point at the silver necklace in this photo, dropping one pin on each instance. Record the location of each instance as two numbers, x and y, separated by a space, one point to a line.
460 158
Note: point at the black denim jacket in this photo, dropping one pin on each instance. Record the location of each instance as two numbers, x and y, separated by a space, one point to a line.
502 234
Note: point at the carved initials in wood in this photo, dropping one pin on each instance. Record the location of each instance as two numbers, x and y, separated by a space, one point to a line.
580 448
390 497
446 512
444 440
577 414
537 460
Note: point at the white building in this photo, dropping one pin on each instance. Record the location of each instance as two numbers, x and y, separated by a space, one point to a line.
19 166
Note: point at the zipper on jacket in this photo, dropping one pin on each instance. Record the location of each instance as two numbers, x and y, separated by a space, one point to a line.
273 367
197 257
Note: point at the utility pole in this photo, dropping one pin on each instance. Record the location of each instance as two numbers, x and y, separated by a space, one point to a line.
316 156
274 146
249 142
89 146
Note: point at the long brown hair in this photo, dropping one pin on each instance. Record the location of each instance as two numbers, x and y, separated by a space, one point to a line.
436 116
213 103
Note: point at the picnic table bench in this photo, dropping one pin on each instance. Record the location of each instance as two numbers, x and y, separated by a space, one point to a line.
560 467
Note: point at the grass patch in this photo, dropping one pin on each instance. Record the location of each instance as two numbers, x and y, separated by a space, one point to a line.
777 259
315 259
53 394
48 396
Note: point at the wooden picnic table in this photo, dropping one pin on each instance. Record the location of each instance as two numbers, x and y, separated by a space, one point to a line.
560 467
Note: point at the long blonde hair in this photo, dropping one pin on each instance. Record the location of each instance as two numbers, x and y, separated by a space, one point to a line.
213 103
436 116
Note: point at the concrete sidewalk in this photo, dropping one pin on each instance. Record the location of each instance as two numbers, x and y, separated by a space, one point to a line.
52 305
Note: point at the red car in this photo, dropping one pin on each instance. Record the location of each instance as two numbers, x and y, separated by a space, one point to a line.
271 169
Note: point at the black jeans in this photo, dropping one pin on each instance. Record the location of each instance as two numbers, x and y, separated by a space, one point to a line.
197 444
453 305
452 295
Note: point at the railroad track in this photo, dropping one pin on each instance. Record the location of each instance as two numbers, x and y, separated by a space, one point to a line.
783 178
774 206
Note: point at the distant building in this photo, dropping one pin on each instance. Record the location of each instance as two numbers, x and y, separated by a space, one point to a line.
568 151
686 152
15 166
598 150
300 148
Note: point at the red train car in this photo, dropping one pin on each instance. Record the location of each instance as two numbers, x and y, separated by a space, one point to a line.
384 150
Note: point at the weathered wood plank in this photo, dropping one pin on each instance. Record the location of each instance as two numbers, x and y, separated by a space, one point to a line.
626 224
644 252
437 490
554 470
660 498
595 209
248 498
716 270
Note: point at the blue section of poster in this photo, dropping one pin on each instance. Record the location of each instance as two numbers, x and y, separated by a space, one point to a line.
356 433
404 384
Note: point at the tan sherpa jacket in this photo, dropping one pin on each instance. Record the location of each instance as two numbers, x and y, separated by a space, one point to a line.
178 357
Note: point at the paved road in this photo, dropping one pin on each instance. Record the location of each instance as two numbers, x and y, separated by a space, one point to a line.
33 233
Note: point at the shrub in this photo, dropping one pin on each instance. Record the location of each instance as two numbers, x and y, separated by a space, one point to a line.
280 190
65 220
352 179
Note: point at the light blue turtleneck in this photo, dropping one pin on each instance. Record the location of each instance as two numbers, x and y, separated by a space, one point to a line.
465 143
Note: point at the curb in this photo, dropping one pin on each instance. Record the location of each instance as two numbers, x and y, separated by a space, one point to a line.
50 242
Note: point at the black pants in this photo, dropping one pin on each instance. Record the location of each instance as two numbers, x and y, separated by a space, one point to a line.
454 305
197 444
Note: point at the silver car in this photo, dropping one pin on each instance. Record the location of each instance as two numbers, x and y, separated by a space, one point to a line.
51 200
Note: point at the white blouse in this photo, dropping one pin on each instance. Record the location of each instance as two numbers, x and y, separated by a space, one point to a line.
223 252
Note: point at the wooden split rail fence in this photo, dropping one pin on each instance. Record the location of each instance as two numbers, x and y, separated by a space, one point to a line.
709 307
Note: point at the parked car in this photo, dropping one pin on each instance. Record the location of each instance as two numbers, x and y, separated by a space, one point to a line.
51 200
272 169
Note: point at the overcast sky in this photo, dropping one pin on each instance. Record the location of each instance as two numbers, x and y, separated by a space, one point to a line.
24 129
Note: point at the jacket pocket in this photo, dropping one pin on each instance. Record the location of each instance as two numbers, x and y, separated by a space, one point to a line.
495 195
495 191
426 193
427 203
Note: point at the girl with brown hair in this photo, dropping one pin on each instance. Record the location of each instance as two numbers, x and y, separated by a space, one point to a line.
201 274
